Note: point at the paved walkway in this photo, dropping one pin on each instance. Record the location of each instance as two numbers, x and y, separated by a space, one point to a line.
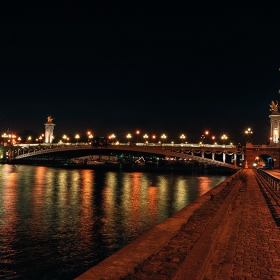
241 241
250 245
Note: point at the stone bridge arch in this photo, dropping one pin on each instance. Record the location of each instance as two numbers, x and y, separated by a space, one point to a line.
265 161
269 153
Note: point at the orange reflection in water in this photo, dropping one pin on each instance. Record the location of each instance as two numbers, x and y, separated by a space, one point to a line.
135 208
39 183
153 202
8 201
85 218
87 186
204 185
109 194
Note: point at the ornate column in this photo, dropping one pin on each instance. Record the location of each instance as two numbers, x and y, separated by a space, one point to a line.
274 122
234 158
49 127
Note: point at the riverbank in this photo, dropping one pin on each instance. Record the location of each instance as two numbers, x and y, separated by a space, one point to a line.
160 252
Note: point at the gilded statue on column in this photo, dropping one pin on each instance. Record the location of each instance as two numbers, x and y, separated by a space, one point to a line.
274 106
50 119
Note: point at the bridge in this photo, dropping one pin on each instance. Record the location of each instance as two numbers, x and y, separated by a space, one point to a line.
228 156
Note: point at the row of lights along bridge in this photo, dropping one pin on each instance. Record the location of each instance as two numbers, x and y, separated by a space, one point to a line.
206 138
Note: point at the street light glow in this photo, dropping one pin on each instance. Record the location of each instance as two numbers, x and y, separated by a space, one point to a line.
224 137
248 132
182 137
128 136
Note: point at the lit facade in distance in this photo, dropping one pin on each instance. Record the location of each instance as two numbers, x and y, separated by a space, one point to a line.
274 122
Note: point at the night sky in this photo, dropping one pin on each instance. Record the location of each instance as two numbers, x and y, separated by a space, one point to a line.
157 66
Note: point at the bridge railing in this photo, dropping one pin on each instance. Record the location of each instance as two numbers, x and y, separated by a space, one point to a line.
190 145
273 181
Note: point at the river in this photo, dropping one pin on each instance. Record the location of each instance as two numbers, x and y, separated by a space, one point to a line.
57 223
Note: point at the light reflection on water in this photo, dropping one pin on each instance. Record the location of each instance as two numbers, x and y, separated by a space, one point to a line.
57 223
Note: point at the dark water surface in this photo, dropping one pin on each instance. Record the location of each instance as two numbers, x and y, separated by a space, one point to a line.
57 223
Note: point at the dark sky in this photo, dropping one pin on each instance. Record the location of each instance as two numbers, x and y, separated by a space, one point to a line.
161 67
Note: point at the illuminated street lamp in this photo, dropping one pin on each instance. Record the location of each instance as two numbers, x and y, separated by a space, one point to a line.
77 137
206 134
224 138
248 133
202 139
128 136
154 137
137 134
213 139
90 138
182 137
5 137
145 136
29 139
9 138
64 137
112 137
163 137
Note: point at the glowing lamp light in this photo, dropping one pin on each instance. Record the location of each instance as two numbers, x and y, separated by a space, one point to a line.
77 137
137 134
163 137
182 137
224 138
275 135
145 136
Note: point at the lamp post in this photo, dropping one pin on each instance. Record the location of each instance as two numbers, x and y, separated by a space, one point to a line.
128 136
112 137
5 137
206 134
137 134
182 137
40 140
202 139
163 137
64 137
248 133
145 136
213 139
224 138
90 138
88 135
77 137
